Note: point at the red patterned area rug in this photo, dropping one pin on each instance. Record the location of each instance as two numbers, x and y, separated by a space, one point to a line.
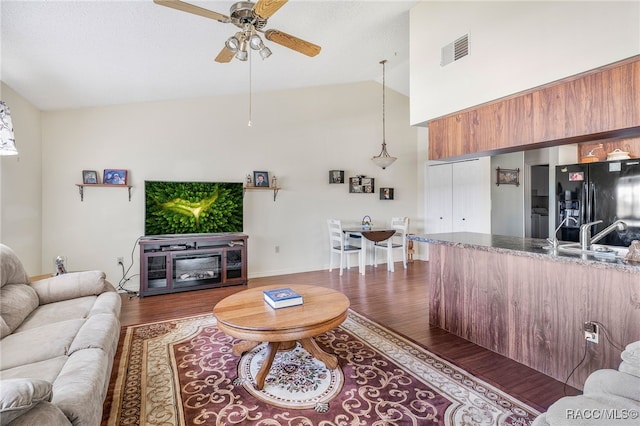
182 372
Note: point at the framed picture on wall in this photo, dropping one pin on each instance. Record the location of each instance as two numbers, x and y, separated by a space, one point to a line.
114 177
336 176
386 193
261 179
507 176
89 177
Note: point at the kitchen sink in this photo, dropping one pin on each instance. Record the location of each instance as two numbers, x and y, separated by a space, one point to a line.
598 251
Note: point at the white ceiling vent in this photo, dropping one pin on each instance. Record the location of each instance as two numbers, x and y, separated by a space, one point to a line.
456 50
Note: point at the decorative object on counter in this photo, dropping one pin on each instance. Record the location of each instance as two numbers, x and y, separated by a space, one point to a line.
361 184
633 255
336 176
618 154
248 181
386 193
89 177
114 177
274 181
367 223
383 159
507 176
7 138
261 179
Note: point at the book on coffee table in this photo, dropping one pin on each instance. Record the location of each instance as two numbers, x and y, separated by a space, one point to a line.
282 298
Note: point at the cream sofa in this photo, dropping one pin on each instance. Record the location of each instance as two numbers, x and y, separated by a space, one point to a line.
610 397
58 341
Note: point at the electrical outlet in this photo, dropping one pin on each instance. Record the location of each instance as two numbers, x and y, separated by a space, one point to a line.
120 260
591 332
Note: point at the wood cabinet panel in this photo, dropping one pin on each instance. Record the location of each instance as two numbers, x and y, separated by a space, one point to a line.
532 309
450 136
600 104
549 113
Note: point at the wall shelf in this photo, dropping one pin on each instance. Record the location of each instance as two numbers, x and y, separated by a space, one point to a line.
275 189
81 187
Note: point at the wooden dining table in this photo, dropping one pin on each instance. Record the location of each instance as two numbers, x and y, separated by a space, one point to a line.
372 235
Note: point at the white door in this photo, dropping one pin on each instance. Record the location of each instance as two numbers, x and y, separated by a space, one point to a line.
438 210
471 182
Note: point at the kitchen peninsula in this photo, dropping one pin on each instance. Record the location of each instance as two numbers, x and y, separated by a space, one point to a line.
529 303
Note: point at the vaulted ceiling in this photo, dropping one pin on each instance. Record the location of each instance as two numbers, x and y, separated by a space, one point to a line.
73 54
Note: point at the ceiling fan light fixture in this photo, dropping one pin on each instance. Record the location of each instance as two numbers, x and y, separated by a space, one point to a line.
232 43
256 42
265 52
242 55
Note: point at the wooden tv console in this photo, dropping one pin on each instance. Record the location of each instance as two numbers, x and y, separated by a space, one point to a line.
170 264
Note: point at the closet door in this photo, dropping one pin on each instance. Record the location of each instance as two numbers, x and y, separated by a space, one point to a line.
471 196
439 199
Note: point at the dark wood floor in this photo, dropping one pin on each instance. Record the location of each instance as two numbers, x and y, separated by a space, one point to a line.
397 300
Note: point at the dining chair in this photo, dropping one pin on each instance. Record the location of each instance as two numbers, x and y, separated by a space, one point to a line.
339 246
397 241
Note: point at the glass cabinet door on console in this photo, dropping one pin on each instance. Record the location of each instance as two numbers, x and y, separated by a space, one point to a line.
234 265
155 266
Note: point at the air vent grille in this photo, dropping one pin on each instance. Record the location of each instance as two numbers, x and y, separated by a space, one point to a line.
455 51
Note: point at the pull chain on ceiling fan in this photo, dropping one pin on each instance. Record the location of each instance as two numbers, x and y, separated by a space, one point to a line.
251 18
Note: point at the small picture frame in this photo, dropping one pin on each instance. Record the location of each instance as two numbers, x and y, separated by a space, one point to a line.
114 177
507 177
336 176
261 179
89 177
386 193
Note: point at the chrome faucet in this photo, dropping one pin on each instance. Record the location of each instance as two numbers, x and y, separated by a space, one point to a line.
585 232
554 241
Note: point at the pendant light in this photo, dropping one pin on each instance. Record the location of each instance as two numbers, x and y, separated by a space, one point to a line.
383 159
7 139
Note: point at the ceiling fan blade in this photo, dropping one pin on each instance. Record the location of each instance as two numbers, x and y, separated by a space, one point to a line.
292 42
266 8
196 10
225 55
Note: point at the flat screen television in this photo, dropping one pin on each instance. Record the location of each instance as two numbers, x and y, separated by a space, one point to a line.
178 208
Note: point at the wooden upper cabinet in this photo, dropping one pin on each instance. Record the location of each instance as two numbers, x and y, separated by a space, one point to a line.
450 135
603 103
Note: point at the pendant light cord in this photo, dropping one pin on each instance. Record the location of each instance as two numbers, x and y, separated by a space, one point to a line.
383 105
250 89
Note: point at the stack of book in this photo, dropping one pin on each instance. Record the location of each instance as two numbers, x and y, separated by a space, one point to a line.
282 298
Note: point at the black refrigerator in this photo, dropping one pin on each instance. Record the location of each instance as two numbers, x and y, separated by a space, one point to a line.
606 191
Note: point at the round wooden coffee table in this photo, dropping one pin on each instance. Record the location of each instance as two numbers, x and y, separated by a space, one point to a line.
246 316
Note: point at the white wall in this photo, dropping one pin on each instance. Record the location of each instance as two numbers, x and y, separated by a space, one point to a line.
21 184
507 201
513 46
299 135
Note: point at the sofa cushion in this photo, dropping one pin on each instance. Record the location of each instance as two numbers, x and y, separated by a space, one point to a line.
45 413
38 344
17 396
80 389
45 370
71 286
57 312
17 301
11 270
98 332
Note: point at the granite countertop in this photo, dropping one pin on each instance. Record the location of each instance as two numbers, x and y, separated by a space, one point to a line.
518 246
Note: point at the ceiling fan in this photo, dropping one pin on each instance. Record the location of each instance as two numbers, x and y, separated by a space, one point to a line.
251 18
